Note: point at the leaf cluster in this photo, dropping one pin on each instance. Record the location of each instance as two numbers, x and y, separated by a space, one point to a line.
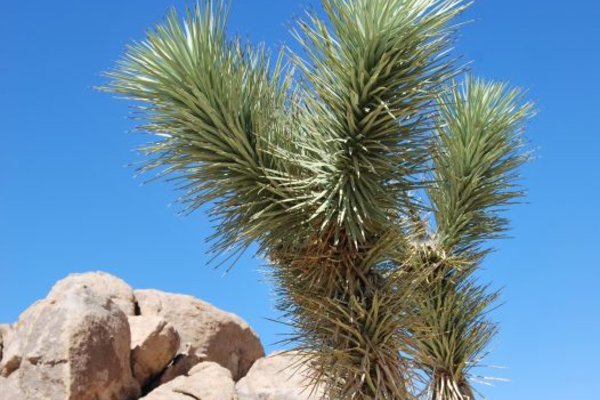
317 158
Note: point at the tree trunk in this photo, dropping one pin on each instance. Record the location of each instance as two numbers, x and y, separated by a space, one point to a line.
347 319
444 387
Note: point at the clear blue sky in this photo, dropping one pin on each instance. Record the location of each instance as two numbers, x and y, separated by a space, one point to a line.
69 202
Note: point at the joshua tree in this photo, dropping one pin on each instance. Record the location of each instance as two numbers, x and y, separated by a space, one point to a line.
368 176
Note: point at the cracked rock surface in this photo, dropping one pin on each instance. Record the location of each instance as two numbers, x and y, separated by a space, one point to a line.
72 346
95 338
154 344
207 333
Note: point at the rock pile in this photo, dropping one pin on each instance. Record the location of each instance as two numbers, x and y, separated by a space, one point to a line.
95 338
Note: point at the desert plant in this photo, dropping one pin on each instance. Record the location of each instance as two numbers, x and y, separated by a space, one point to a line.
321 159
477 151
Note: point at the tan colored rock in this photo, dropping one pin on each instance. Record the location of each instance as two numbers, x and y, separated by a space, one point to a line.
73 345
10 391
207 333
154 344
277 377
183 362
104 285
206 381
4 330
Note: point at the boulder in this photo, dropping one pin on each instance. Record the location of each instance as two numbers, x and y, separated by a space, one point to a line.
280 376
74 345
206 381
207 333
104 285
154 344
